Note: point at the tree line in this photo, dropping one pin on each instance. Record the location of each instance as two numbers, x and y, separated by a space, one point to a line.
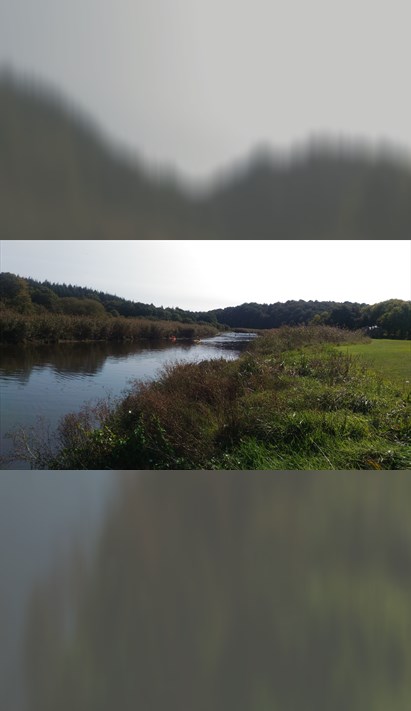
386 319
29 296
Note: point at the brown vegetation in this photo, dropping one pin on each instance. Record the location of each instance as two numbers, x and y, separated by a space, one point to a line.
53 328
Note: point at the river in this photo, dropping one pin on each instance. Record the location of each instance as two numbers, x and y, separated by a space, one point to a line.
42 512
40 384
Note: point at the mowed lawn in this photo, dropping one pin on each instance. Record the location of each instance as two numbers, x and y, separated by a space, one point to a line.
390 357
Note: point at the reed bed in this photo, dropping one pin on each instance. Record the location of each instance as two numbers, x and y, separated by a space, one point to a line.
53 328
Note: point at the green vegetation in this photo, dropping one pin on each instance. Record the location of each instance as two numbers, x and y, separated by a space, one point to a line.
227 591
61 179
28 296
387 319
293 401
391 358
31 310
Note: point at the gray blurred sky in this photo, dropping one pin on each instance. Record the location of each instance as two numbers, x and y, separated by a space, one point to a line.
202 275
197 83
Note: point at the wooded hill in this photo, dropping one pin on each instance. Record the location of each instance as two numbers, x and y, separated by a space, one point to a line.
60 179
390 319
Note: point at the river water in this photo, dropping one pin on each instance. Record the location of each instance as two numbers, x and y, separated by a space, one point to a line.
41 384
43 512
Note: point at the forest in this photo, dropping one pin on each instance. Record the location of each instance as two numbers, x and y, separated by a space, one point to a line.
25 298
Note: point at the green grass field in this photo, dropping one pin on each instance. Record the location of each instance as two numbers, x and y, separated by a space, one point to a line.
389 357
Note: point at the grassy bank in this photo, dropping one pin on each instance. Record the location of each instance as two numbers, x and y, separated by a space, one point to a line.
392 358
293 401
52 328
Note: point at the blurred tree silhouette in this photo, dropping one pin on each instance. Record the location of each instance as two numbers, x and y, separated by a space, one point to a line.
59 178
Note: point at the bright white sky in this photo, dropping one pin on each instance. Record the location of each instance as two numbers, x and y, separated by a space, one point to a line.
202 275
197 83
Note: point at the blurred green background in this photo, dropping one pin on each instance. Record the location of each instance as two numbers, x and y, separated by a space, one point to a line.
232 591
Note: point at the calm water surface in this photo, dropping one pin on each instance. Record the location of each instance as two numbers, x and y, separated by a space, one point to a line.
48 381
42 513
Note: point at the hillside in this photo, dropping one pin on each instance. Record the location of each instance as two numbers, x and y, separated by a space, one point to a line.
59 178
31 299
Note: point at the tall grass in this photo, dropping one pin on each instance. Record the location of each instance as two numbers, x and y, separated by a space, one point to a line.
51 328
286 338
293 401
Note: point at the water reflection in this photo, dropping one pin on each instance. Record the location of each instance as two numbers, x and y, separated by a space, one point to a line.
232 591
49 381
67 358
89 358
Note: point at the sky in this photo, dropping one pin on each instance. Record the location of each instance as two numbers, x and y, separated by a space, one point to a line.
202 275
195 84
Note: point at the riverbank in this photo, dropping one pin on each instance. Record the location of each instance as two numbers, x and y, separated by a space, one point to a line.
18 328
291 401
41 383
